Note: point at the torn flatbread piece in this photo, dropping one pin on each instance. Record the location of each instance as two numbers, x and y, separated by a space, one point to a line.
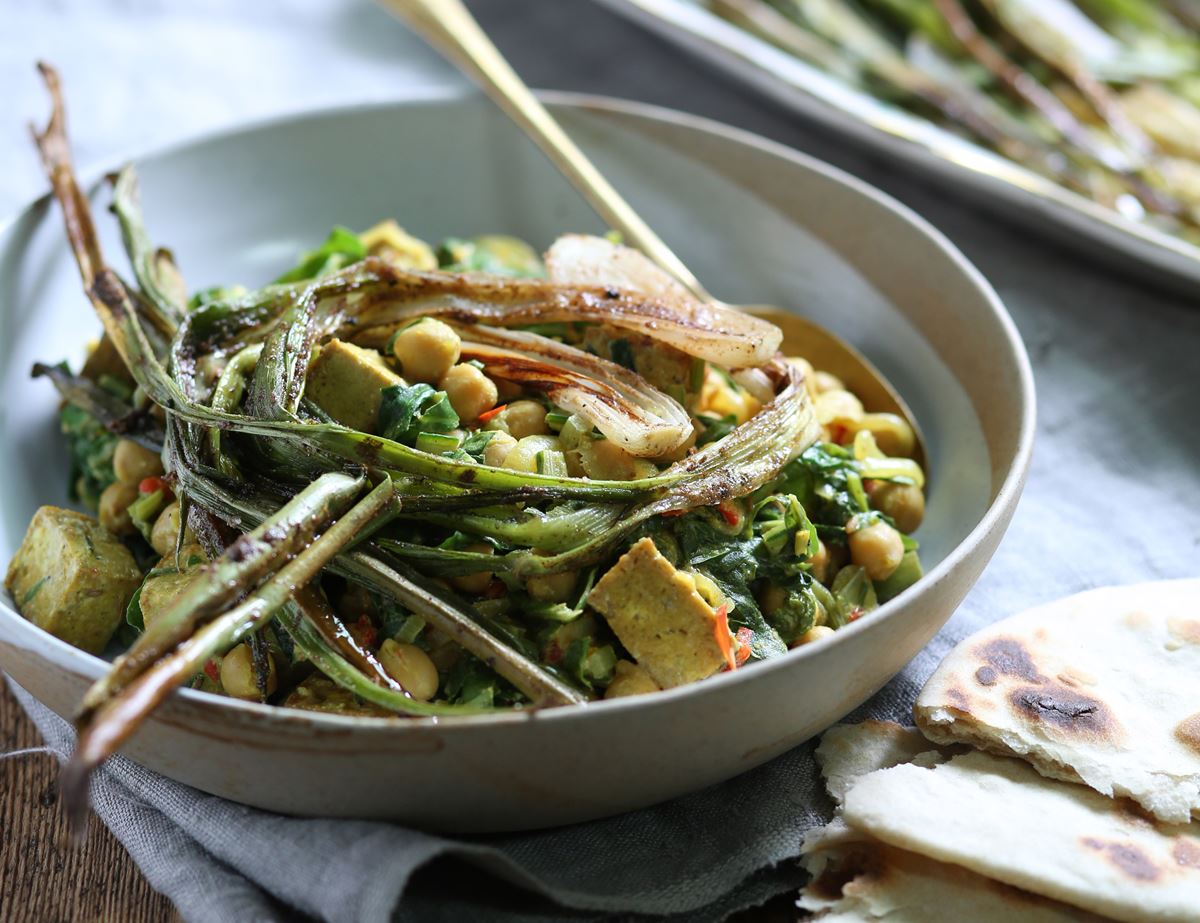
1101 688
866 881
999 818
849 751
857 879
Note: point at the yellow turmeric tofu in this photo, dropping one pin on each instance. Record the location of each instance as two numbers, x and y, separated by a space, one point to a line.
667 368
163 590
655 611
344 380
73 578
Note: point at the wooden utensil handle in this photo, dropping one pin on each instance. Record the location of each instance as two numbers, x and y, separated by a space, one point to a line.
449 26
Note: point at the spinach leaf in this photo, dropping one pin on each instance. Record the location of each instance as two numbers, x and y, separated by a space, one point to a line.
589 665
731 560
715 427
470 682
215 293
473 446
91 449
824 478
798 612
145 510
341 248
622 354
497 254
405 412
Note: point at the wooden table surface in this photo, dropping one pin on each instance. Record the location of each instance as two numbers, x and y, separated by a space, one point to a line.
44 879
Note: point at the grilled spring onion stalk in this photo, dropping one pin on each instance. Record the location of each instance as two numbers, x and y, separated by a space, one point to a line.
476 528
1100 96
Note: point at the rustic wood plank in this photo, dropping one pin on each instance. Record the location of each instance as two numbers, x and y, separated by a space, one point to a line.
42 877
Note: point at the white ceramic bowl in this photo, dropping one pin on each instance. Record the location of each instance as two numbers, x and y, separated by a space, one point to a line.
756 221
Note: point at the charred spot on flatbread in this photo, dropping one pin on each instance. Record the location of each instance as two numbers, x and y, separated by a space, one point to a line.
1187 732
1065 709
958 699
1090 688
1186 852
1126 857
1008 657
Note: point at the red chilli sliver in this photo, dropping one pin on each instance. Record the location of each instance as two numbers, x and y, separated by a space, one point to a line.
744 638
724 637
488 414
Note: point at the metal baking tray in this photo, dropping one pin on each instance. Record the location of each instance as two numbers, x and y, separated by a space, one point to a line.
1011 189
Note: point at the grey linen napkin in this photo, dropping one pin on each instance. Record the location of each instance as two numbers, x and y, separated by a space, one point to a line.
1113 497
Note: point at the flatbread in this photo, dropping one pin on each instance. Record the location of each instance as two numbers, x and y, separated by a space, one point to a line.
869 882
858 879
1101 688
999 818
850 751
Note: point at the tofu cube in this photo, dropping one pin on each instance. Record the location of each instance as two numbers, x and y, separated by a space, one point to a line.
655 611
163 590
72 578
344 380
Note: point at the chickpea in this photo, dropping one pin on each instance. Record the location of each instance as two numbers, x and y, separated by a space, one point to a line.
426 350
114 508
478 582
132 463
551 588
904 503
772 598
575 433
575 463
411 667
806 370
166 531
822 564
630 679
876 548
238 677
524 455
497 449
816 633
892 433
604 460
682 452
507 391
825 381
470 391
525 418
837 407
